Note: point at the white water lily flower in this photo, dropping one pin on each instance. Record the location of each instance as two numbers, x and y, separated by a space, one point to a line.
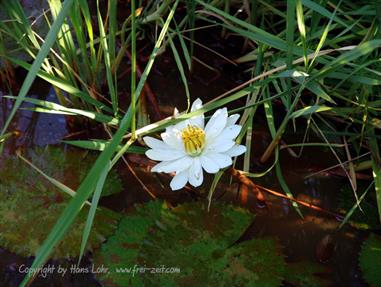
189 147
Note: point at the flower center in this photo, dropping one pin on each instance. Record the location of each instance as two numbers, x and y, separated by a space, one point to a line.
194 140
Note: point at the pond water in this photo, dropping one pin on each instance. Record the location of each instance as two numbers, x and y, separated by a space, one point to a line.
312 239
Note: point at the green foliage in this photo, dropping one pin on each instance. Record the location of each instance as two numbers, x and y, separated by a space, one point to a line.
323 64
198 242
67 166
201 248
28 212
205 259
30 205
122 249
370 260
14 34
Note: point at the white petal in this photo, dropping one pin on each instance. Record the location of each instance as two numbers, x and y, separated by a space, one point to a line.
222 160
180 126
216 124
155 143
177 165
236 150
232 131
232 120
197 104
172 138
159 167
209 165
218 146
229 133
197 121
164 154
195 173
179 180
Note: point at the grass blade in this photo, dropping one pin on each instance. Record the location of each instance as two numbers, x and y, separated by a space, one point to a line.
100 145
92 210
278 170
107 61
151 60
133 68
302 29
50 107
181 70
89 183
42 54
52 180
376 166
354 207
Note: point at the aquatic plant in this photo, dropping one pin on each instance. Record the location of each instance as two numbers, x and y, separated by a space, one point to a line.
29 208
190 146
188 246
68 166
199 243
27 215
122 249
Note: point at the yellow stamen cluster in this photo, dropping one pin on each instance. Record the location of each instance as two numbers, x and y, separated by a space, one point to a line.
194 140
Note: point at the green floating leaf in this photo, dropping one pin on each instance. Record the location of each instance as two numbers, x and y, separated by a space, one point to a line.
68 166
195 246
28 212
205 260
30 205
370 260
122 249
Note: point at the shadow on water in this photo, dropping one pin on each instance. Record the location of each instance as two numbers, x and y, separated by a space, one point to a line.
312 239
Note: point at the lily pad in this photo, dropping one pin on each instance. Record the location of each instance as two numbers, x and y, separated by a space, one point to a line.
121 250
68 166
28 214
370 260
189 246
30 205
201 245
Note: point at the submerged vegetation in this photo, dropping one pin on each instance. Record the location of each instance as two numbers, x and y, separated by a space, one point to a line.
309 71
